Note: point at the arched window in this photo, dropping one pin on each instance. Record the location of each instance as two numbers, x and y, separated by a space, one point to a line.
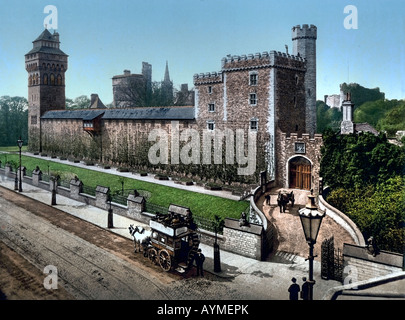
30 80
45 78
59 79
52 79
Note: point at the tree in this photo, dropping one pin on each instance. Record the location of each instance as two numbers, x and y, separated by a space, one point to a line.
327 117
13 120
81 102
393 120
378 211
359 159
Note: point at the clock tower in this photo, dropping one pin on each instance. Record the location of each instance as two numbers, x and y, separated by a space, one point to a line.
46 65
347 125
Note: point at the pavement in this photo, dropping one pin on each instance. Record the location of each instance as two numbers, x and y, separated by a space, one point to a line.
281 266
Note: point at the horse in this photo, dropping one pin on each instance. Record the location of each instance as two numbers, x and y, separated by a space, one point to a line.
142 238
283 199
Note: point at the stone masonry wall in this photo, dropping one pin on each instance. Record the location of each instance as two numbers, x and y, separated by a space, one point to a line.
286 146
361 265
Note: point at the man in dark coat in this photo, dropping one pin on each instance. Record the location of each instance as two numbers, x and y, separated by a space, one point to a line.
199 260
305 289
294 289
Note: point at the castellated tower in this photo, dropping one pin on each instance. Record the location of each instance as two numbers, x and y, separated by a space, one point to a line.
304 45
46 65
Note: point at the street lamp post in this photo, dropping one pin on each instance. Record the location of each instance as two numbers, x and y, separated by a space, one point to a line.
20 144
311 219
110 223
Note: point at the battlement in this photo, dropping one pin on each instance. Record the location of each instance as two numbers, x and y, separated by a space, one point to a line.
305 137
208 77
304 32
258 57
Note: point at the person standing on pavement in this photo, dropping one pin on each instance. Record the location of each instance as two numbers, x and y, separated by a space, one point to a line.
304 289
199 260
268 199
294 289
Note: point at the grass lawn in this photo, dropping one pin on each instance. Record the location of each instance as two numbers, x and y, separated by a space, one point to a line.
200 204
13 149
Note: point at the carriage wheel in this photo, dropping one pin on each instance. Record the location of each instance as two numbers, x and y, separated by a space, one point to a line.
152 255
165 260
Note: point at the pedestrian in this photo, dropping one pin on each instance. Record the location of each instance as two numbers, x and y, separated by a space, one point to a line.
268 199
199 260
294 289
305 289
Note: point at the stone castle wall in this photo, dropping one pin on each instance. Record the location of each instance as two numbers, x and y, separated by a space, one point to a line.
287 152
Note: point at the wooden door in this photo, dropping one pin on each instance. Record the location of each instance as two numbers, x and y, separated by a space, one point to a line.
300 174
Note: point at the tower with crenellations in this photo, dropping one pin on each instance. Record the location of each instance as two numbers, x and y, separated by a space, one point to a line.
304 45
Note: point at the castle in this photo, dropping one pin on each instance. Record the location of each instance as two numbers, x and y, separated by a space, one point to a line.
271 95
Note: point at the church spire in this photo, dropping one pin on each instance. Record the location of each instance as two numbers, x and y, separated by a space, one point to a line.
167 77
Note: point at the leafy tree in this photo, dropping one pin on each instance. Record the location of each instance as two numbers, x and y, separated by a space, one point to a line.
13 120
81 102
378 211
393 120
357 159
327 117
360 94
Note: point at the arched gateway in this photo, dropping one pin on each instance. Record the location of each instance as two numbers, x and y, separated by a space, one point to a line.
300 173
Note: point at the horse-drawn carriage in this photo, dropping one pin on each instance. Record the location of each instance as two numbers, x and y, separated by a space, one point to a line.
284 198
171 240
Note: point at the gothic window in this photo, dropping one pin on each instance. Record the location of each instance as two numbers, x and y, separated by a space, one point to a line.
59 80
30 80
45 78
253 78
211 107
253 99
52 79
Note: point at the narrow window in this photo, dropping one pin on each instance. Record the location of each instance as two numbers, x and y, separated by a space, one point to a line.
253 77
210 125
209 89
211 107
254 124
253 99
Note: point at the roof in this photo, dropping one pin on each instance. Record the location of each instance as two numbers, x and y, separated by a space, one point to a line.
146 113
45 35
365 127
45 49
82 114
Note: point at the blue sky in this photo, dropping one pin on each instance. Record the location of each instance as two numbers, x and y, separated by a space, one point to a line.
102 38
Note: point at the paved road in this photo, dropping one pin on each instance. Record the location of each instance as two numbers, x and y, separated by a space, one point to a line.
95 263
87 271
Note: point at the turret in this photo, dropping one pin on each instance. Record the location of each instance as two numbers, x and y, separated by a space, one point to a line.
304 45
